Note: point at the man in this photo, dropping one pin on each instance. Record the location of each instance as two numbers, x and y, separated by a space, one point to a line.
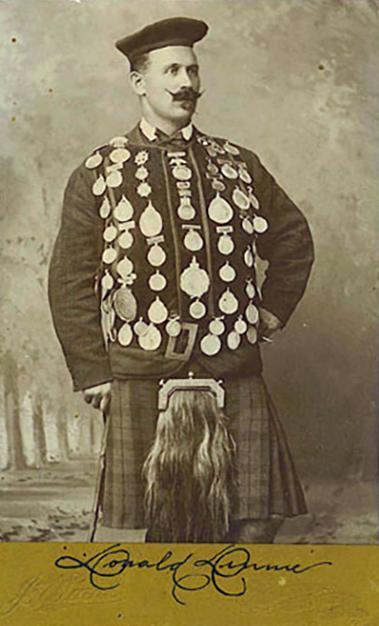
153 277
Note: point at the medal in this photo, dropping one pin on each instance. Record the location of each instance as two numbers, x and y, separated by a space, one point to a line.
231 149
250 289
94 161
216 326
212 168
217 185
210 344
220 210
125 268
194 281
114 179
241 199
119 155
157 311
197 309
156 255
254 201
225 244
123 211
229 171
140 327
233 340
125 240
252 335
193 241
105 208
227 272
110 233
99 186
157 282
185 209
248 257
141 157
252 313
260 224
181 172
109 255
125 335
144 190
118 142
173 327
150 222
228 303
240 326
141 173
245 176
125 304
107 282
247 225
151 339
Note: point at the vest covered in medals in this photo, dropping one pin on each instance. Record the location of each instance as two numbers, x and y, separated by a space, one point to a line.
177 275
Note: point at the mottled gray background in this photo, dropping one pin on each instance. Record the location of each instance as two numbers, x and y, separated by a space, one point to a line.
297 82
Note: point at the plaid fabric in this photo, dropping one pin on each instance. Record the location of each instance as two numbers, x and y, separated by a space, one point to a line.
267 480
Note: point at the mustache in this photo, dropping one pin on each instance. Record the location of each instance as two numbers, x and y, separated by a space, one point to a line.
186 93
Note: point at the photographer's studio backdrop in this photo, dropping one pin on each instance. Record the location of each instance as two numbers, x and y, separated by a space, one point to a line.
295 82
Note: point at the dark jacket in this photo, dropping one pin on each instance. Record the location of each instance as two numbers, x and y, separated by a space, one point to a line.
86 313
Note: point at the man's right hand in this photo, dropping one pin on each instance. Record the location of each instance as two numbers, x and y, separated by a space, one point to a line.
99 396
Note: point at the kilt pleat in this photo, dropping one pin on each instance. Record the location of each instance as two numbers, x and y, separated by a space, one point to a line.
267 482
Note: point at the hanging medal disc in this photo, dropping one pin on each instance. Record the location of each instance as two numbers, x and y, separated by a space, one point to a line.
252 313
233 340
240 326
260 224
210 345
125 335
157 282
193 241
247 225
156 255
114 179
228 303
218 185
185 209
151 340
110 233
125 267
157 311
197 309
241 199
99 186
248 257
231 149
254 201
229 171
119 155
109 255
245 176
181 172
123 212
94 161
219 210
227 272
173 327
150 222
194 281
225 244
105 209
140 327
107 282
216 327
142 173
126 240
252 335
250 289
125 304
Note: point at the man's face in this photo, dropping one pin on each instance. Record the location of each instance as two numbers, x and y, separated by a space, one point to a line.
168 83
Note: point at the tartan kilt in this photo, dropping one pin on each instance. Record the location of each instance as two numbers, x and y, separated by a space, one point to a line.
267 482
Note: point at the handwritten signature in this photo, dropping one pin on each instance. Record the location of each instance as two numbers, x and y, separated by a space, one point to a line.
225 571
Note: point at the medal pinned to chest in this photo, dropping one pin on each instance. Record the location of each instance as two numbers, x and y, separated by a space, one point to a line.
193 240
156 255
195 282
225 243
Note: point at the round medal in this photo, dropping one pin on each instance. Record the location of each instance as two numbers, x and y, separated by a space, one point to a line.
125 240
173 327
210 344
181 172
150 340
99 186
252 313
229 171
94 161
125 267
107 282
227 272
231 149
254 201
185 209
252 335
193 241
140 327
247 225
250 289
119 155
157 282
219 210
157 311
125 335
109 255
141 173
114 179
217 185
240 326
228 303
233 340
123 211
144 190
197 309
156 255
194 281
105 208
110 233
150 222
248 257
225 244
125 304
260 224
212 168
245 176
241 199
216 326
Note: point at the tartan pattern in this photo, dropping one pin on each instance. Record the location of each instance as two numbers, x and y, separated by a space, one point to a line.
267 483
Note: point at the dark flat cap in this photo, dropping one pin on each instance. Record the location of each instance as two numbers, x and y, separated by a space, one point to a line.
175 31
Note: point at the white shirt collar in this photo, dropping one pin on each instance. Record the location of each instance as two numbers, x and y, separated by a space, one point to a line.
150 131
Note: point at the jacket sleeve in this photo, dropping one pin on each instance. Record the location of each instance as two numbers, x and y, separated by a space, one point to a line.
73 267
287 245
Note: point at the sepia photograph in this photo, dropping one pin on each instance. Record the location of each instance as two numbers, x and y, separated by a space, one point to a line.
189 267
